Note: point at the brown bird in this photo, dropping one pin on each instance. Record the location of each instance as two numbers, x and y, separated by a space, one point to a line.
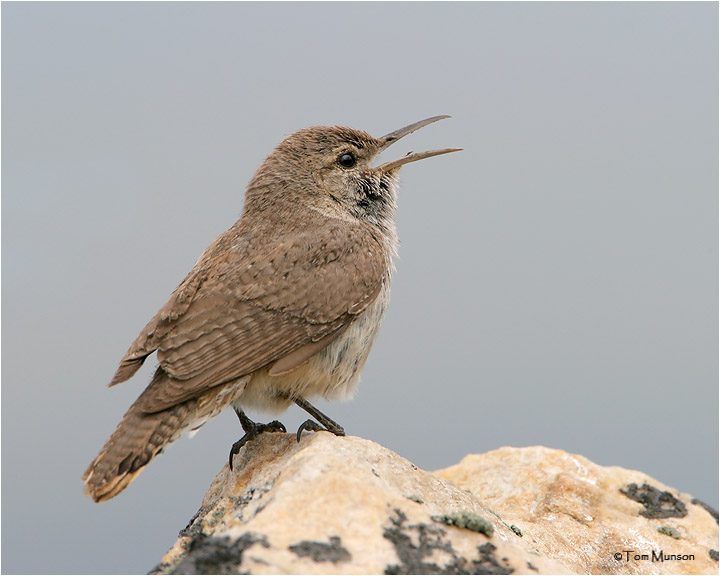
283 306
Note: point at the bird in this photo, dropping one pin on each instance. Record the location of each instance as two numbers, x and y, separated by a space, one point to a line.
282 307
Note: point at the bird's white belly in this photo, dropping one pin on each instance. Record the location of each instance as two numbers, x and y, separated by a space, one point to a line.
332 373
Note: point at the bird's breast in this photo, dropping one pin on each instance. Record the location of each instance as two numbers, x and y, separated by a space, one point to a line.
344 358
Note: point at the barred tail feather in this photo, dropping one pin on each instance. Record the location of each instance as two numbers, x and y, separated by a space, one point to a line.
137 440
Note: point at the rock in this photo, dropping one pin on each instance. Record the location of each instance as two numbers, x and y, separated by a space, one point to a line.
593 519
332 505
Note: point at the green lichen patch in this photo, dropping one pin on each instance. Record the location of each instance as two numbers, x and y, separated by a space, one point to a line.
511 527
669 531
468 520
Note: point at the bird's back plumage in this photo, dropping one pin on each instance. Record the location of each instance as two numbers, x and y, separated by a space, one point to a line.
234 314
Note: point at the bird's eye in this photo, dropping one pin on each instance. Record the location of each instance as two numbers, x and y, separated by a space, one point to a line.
346 160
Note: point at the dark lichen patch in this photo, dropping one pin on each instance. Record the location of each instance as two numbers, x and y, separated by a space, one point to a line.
188 529
486 562
194 527
212 514
415 498
707 507
466 519
239 503
212 555
412 555
656 504
415 544
216 516
713 554
322 551
160 568
669 531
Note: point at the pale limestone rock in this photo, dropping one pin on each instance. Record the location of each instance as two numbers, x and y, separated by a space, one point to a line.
582 514
332 505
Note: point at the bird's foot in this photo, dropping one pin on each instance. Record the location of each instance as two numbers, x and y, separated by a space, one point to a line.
312 426
252 429
326 424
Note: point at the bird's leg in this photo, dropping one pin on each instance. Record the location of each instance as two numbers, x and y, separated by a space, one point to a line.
252 429
329 425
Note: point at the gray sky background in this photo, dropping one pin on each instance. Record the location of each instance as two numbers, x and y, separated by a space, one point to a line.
557 282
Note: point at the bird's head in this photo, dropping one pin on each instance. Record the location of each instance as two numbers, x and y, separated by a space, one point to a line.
329 168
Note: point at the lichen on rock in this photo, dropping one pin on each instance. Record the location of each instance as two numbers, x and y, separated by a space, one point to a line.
330 505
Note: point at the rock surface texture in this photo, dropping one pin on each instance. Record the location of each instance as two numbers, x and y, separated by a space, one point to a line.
331 505
592 519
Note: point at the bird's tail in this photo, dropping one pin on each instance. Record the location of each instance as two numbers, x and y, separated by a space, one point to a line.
137 440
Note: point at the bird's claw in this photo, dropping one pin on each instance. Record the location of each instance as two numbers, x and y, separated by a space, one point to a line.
238 445
251 431
310 426
274 426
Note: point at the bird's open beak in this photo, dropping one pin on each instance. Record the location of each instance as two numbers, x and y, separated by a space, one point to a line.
393 137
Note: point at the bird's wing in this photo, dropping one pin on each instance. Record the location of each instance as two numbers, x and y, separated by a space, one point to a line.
237 312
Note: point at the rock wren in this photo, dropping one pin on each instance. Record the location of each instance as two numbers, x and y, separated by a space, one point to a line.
283 306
